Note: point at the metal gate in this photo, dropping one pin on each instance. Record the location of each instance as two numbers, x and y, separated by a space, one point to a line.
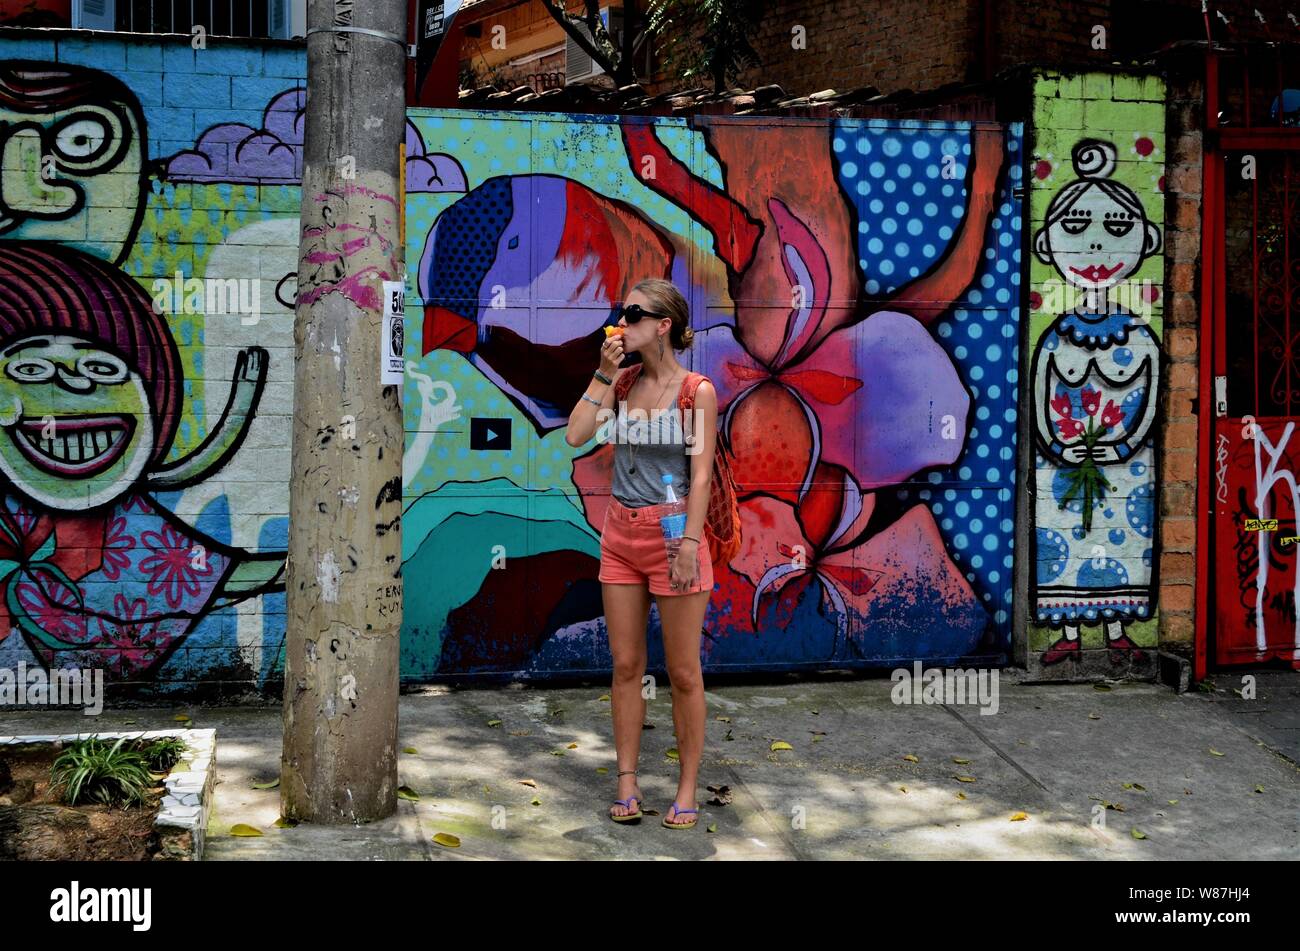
1251 286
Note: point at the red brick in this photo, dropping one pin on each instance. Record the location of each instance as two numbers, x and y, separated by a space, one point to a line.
1176 597
1177 534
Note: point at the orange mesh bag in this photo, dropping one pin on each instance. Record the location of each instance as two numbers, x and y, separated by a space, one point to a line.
722 521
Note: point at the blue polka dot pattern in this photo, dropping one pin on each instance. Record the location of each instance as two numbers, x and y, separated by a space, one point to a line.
466 241
980 332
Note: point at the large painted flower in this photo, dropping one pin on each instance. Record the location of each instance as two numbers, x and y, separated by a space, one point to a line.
174 570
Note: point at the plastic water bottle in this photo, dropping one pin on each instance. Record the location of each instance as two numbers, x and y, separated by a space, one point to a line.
673 521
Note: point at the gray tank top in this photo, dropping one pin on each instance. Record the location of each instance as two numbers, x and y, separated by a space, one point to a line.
660 447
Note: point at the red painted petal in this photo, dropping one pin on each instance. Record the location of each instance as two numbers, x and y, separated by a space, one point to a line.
829 388
444 330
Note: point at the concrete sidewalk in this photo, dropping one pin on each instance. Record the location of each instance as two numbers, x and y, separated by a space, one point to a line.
844 791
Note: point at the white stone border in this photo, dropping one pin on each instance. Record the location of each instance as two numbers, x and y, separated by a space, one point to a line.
187 802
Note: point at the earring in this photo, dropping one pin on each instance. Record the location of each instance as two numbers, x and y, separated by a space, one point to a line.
661 345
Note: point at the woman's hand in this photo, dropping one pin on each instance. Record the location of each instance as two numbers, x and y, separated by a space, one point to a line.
685 571
611 355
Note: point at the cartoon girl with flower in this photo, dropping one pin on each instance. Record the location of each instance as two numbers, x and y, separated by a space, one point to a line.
1094 377
93 570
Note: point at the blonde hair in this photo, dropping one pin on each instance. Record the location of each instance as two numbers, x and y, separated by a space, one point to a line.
666 299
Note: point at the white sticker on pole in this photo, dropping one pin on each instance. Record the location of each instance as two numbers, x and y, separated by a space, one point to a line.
392 364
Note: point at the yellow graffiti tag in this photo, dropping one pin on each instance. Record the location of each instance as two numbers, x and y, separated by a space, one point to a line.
1261 525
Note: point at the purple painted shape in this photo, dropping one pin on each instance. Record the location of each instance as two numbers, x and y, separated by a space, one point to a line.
238 154
427 173
910 388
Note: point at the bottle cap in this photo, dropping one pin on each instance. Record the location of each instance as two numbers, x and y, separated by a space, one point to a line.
668 478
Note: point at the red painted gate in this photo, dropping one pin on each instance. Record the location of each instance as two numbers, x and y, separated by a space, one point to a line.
1251 288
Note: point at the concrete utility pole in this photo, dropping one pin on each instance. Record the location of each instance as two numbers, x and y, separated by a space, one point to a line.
339 761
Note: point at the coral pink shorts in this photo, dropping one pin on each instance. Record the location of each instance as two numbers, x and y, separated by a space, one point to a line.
632 550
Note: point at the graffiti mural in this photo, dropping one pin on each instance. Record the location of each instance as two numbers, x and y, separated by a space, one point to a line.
1257 498
147 279
1095 375
854 289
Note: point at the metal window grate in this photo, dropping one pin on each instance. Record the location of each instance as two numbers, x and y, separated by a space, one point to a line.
255 19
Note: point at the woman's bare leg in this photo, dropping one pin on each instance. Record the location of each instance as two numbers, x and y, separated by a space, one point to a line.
682 617
627 609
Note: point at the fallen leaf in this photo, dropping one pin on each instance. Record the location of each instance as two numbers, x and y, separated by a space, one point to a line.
244 830
573 746
285 823
407 793
721 796
494 723
410 749
1214 752
181 718
723 719
1137 833
557 752
711 827
911 759
1173 802
672 753
533 782
271 784
1094 716
1138 786
961 795
964 779
602 770
780 745
604 697
1019 817
960 761
1259 789
535 801
448 840
818 739
815 713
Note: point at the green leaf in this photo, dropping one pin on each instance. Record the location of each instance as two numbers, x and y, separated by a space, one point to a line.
407 793
1137 833
285 823
409 749
240 829
778 745
271 784
447 840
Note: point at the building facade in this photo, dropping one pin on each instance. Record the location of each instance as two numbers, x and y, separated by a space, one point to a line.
1005 373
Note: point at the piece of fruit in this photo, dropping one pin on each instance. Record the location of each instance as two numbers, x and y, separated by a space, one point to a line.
613 331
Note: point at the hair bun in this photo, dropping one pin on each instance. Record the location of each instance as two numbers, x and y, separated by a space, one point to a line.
1093 158
688 335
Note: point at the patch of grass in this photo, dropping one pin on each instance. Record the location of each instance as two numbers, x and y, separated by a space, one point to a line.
162 754
92 771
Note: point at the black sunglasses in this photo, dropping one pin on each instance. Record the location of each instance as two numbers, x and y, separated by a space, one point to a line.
633 313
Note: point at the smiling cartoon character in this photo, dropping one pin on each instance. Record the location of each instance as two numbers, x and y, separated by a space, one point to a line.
94 571
1095 375
72 139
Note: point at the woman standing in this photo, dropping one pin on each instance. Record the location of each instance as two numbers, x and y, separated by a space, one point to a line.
650 444
1095 374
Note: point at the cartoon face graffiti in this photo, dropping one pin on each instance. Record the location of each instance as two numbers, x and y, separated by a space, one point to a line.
1096 233
72 147
80 415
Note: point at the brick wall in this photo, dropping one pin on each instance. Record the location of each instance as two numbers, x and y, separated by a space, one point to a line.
1180 379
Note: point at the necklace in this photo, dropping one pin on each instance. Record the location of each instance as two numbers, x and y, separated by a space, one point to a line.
632 446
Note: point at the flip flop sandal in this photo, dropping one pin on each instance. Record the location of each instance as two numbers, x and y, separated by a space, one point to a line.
627 803
681 825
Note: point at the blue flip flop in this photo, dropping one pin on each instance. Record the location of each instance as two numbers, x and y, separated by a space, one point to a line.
627 804
678 811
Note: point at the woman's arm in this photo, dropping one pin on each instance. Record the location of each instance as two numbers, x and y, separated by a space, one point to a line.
704 425
586 416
